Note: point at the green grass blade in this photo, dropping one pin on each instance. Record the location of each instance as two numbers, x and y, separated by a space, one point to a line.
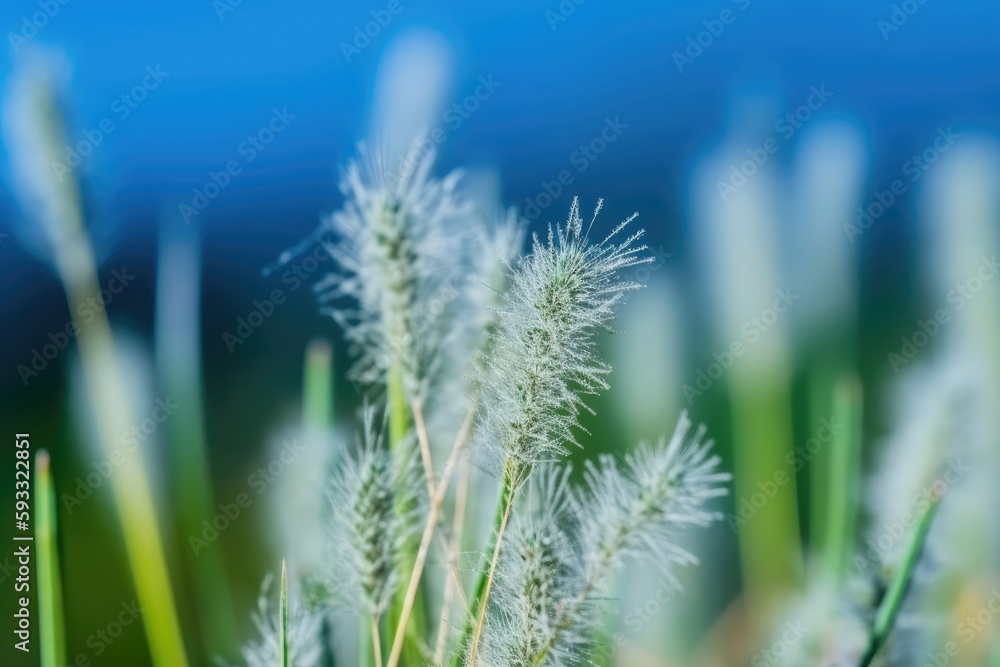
885 617
50 602
503 499
317 386
769 540
283 620
179 365
845 470
399 427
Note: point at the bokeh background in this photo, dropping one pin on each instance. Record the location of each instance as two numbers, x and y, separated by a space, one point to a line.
894 77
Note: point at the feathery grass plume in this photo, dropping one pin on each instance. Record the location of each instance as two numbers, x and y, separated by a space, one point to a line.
376 500
538 572
494 240
399 258
543 356
287 631
543 360
410 89
555 565
496 243
638 509
36 136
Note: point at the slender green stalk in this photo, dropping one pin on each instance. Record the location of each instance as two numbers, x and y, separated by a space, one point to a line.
885 617
399 427
484 601
365 656
845 467
821 378
283 619
399 417
179 361
770 543
433 513
376 644
317 417
477 602
74 260
130 483
317 386
50 602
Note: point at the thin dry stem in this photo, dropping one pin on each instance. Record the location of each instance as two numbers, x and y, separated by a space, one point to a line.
437 500
420 425
376 643
454 582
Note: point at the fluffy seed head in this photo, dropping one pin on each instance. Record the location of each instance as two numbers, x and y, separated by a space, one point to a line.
495 244
304 645
543 355
639 507
538 577
376 503
400 258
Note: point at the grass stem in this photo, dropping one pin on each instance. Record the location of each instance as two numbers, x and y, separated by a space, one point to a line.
283 619
420 426
433 513
454 582
885 617
845 470
376 644
484 600
50 602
